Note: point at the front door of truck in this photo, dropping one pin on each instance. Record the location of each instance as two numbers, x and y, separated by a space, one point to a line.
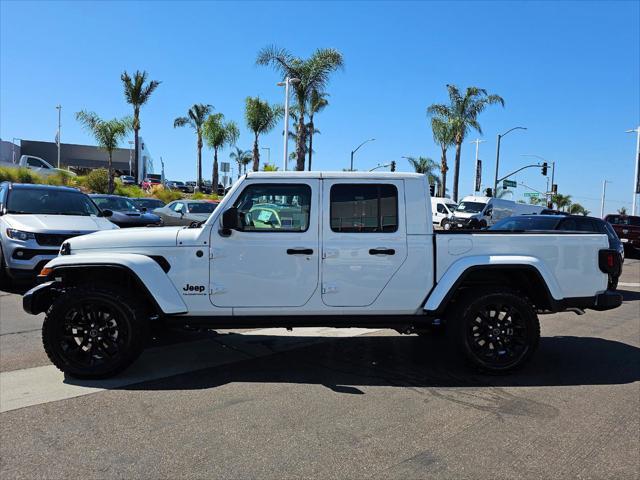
364 239
272 260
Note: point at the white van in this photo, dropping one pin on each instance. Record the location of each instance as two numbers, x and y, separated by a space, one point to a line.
441 209
480 212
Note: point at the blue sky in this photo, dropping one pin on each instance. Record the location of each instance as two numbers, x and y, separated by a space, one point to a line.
570 72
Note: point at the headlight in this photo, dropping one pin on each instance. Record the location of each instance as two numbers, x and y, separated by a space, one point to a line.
19 234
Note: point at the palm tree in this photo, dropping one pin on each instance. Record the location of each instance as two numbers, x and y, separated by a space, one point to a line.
269 168
218 134
427 166
622 211
137 94
576 209
535 201
261 118
462 114
107 133
195 118
443 135
561 201
242 158
313 74
317 102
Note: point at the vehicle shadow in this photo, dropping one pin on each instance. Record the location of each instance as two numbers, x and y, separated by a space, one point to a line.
629 295
344 364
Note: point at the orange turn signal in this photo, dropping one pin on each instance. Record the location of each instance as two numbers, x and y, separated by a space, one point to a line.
45 272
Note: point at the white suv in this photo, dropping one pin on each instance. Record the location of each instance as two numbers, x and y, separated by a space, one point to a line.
36 219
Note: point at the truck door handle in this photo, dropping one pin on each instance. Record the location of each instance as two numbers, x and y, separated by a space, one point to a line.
299 251
382 251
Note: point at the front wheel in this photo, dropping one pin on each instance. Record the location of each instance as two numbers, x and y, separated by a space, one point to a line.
497 329
94 332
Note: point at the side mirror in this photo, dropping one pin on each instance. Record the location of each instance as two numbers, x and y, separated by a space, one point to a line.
229 221
106 213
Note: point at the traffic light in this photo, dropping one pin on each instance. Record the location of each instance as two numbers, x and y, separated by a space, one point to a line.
489 192
544 169
393 165
432 190
554 188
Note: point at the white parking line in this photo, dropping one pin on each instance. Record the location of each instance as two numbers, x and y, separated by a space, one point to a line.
35 386
625 284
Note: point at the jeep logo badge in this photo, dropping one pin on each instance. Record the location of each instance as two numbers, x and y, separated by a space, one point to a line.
193 289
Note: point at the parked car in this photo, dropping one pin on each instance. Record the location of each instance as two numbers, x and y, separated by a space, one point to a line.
185 212
38 165
177 185
348 250
627 227
479 212
148 183
127 180
191 186
125 214
36 219
145 204
566 223
441 209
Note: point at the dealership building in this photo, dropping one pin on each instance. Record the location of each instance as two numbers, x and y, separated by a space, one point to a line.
78 158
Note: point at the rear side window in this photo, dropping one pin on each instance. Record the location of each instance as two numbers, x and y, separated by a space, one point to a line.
364 208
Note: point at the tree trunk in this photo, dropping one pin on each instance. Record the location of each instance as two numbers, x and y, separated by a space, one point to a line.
256 155
311 127
301 142
456 174
110 166
214 180
199 161
136 142
443 171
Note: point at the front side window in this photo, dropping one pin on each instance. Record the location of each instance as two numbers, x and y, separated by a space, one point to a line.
365 208
178 207
441 209
274 208
204 207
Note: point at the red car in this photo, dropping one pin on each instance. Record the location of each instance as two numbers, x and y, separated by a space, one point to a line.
147 183
628 229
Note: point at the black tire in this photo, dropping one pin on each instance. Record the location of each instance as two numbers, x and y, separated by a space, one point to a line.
95 331
494 342
446 224
4 276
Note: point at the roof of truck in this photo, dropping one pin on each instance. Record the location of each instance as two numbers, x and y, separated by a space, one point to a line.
372 175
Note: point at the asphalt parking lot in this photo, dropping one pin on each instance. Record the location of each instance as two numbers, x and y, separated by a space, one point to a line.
329 404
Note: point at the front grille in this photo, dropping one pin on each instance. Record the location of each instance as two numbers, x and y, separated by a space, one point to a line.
54 239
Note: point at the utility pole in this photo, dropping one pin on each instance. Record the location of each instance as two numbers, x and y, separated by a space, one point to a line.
130 155
500 135
604 192
636 175
268 149
59 108
477 141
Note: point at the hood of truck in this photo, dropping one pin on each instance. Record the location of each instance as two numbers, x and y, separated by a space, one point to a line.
127 238
58 223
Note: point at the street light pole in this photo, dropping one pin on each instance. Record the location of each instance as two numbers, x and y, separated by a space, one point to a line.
286 83
636 177
268 149
130 154
59 108
495 182
604 192
477 141
358 148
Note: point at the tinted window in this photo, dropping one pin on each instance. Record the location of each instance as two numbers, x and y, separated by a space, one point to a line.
623 220
149 203
441 209
114 203
526 223
204 207
364 208
34 162
274 207
49 201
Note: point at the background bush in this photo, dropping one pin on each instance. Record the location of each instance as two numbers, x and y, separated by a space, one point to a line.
165 195
97 180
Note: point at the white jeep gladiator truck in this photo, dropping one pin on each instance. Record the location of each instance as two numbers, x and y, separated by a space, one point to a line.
297 249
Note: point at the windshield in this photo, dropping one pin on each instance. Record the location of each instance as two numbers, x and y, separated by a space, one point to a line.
50 201
115 203
204 207
148 203
525 223
623 220
470 207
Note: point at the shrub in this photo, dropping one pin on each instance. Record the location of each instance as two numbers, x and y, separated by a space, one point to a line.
7 174
202 196
97 180
62 179
132 191
24 175
165 195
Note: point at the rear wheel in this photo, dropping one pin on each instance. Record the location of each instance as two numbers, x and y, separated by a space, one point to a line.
497 330
94 332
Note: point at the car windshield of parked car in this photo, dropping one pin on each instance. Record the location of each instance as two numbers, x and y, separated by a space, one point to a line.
204 207
41 201
623 220
522 222
470 207
118 204
148 203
